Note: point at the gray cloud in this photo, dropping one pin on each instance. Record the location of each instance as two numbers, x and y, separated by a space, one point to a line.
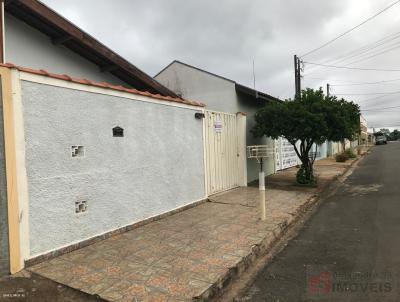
225 36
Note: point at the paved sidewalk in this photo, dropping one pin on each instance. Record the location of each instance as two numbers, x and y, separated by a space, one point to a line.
189 254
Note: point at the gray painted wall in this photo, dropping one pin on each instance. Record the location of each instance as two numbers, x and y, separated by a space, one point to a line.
28 47
156 167
4 249
218 94
250 106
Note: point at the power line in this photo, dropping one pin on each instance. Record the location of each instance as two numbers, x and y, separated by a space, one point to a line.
380 95
363 49
365 52
393 126
366 48
373 109
369 93
350 30
376 97
354 68
366 83
306 77
382 51
379 111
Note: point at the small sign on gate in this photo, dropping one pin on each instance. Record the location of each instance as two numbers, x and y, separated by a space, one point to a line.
218 126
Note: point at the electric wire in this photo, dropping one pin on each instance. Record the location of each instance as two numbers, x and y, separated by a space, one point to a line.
377 109
383 51
382 95
350 30
376 97
369 93
363 50
366 83
351 68
350 83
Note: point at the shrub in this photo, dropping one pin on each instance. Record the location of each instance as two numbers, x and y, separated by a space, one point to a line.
350 153
341 157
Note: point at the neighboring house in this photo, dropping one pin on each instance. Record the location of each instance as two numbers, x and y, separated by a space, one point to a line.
220 94
81 159
363 138
371 138
37 37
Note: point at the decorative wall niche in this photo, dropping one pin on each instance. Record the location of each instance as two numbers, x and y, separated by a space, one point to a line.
77 151
118 132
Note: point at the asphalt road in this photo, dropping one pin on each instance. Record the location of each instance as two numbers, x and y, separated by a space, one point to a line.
349 250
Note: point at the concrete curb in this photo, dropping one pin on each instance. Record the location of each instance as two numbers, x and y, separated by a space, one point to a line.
262 248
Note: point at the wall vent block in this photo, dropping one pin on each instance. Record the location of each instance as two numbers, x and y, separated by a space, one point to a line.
118 132
80 206
77 151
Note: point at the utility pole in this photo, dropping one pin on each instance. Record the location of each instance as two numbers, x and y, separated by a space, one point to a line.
327 90
295 73
297 76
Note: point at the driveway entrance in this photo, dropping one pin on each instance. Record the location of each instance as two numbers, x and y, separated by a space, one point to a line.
225 152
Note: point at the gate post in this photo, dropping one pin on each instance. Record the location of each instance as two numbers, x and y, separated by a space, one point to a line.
241 152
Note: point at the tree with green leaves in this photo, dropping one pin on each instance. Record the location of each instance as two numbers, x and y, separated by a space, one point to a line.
383 131
308 120
395 135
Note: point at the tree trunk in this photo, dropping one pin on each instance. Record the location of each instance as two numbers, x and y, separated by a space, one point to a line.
343 145
305 175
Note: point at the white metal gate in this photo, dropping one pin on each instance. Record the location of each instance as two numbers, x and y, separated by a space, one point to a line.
222 149
285 156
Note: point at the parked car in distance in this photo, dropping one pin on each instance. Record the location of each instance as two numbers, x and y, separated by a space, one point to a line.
380 140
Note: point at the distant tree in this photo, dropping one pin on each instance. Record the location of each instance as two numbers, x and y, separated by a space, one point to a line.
344 120
395 135
385 132
309 120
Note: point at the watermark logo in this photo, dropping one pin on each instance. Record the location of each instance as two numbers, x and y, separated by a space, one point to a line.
320 284
18 293
323 283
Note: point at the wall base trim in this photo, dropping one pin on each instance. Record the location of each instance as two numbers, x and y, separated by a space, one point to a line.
87 242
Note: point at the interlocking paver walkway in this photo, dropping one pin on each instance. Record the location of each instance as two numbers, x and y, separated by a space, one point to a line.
183 255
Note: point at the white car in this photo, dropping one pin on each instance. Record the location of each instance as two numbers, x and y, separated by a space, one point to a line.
380 140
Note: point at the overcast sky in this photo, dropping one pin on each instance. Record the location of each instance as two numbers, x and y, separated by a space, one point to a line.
225 36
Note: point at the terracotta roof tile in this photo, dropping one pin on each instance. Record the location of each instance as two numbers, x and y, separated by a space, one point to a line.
65 77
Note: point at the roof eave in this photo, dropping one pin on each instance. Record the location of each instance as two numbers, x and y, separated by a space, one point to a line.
255 93
62 31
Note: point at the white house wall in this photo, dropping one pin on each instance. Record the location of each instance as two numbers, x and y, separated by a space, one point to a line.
28 47
322 151
156 167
